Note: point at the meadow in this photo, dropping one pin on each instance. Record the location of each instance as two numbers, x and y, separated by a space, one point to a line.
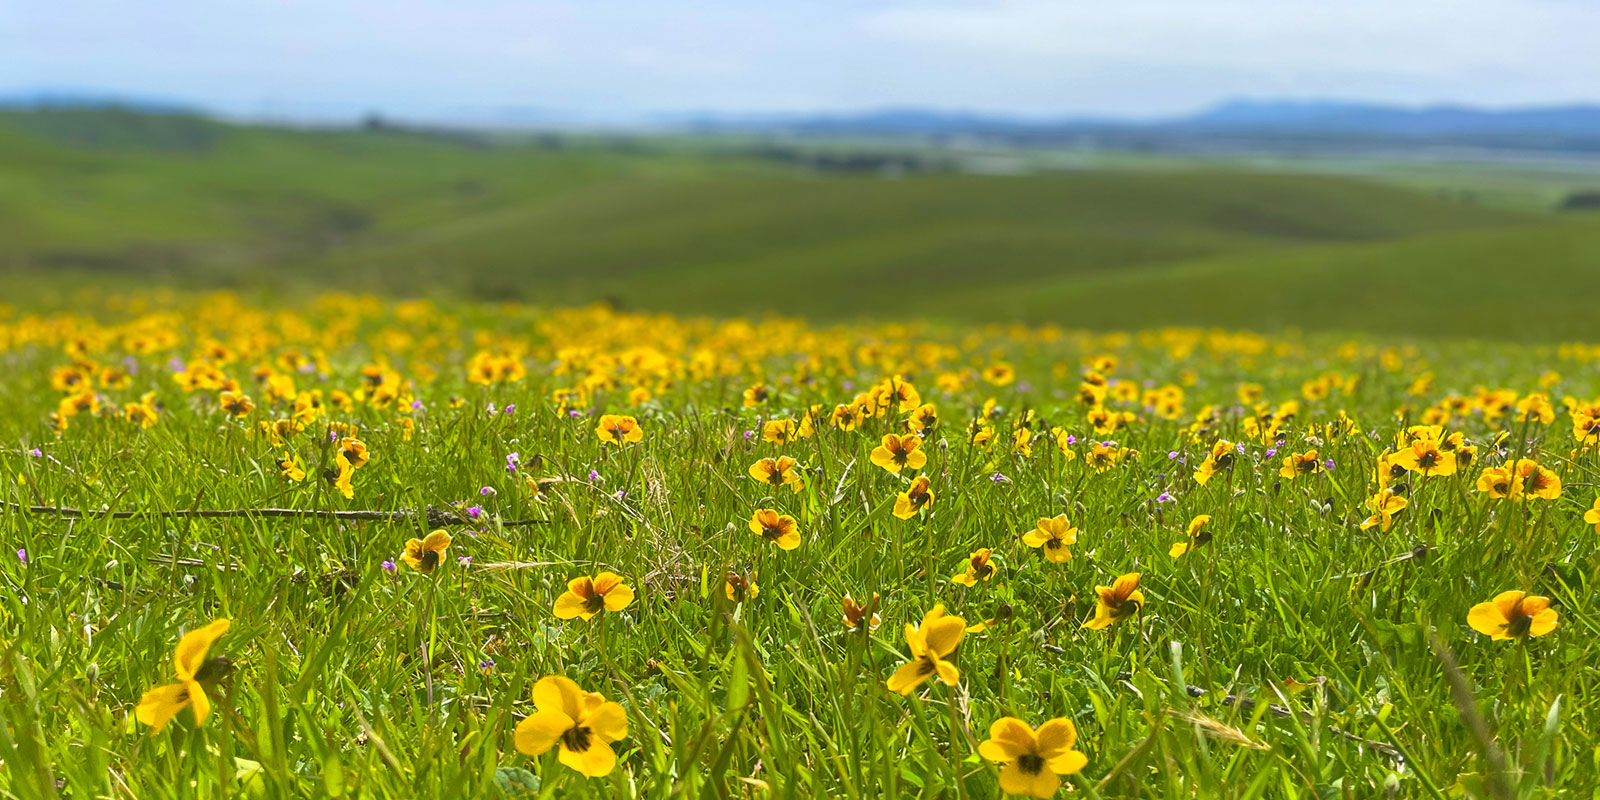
477 550
703 227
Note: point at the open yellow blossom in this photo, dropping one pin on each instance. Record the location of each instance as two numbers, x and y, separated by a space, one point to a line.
1537 481
779 431
778 472
780 529
1385 505
1118 601
236 404
1054 535
898 452
978 568
424 555
931 644
1513 615
914 499
1426 458
289 467
585 725
1297 464
618 430
586 597
159 705
1033 758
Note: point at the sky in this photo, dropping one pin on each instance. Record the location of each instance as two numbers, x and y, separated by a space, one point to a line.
623 59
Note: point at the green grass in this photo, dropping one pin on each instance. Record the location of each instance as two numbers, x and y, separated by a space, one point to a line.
350 680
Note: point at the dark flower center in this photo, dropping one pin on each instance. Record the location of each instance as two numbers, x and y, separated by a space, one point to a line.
1030 763
576 739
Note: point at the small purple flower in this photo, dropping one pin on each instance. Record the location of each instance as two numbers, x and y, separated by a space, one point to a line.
1023 387
487 663
1271 451
848 385
474 511
621 495
416 405
388 566
1165 497
22 555
176 364
463 560
130 364
491 409
511 408
574 413
487 491
594 476
748 435
1240 448
513 462
1072 439
37 453
1171 454
999 478
333 435
1328 464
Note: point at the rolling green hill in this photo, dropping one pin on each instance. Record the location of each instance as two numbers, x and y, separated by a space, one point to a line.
128 197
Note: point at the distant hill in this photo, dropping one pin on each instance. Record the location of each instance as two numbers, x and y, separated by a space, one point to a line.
1231 125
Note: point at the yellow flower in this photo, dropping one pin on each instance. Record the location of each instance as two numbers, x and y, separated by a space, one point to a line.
999 373
780 529
236 404
354 452
425 554
1512 615
857 615
1054 535
161 704
923 420
1033 758
978 568
1218 460
1592 516
585 596
900 452
931 644
1425 457
779 431
1119 600
584 723
1385 505
1297 464
777 472
618 430
1197 536
1499 483
915 498
845 417
756 395
289 467
739 588
1537 481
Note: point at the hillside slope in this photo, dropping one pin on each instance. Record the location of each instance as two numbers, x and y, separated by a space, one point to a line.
665 225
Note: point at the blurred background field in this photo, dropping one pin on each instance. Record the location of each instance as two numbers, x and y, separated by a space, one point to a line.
860 220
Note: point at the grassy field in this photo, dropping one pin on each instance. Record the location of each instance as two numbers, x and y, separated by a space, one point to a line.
123 199
1328 630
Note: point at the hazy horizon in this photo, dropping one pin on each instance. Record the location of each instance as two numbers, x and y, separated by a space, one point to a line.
629 60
